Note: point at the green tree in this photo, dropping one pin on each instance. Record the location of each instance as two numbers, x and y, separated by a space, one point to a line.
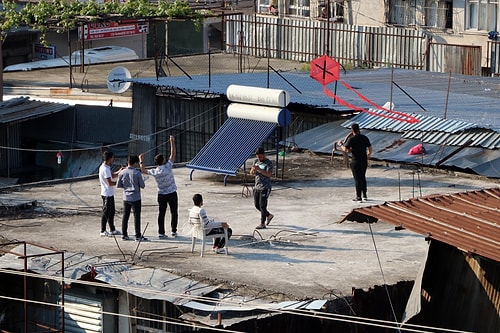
63 16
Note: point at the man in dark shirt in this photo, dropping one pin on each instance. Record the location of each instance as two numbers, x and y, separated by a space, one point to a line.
262 169
361 150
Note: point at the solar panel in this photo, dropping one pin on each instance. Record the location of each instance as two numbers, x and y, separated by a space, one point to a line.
233 143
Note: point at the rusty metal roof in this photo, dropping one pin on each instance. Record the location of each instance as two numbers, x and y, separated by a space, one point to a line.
22 108
469 221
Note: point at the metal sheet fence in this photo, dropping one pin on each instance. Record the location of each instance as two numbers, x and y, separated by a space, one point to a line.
302 40
451 58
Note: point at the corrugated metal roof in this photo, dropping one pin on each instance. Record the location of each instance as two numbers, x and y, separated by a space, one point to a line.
425 123
392 147
22 108
468 221
309 91
149 283
477 137
231 145
431 130
471 99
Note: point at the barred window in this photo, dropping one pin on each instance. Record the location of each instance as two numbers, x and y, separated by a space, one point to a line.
402 13
482 15
439 13
299 8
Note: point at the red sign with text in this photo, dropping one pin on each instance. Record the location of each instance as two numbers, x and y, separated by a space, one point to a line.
103 30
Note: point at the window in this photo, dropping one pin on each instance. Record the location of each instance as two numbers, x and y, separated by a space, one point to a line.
402 12
299 8
439 13
427 13
336 9
264 6
482 14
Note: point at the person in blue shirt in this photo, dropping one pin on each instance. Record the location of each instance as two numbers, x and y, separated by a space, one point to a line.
131 181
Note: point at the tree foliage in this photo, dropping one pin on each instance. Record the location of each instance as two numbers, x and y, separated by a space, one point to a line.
63 15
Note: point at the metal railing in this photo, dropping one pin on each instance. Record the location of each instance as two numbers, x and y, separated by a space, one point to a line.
297 39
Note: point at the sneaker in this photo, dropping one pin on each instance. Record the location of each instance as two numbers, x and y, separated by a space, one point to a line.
162 236
269 218
174 234
115 233
141 239
261 226
126 238
105 234
357 199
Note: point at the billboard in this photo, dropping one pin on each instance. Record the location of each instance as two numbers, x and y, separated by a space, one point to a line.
103 30
41 52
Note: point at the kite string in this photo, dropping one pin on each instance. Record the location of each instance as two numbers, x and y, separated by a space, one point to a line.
406 117
383 278
372 113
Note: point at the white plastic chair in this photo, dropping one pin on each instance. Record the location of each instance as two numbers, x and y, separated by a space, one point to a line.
198 231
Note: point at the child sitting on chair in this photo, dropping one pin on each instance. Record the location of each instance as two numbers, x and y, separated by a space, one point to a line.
211 227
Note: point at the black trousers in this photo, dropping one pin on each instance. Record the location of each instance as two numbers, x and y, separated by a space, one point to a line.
165 200
135 206
220 241
260 201
108 213
358 169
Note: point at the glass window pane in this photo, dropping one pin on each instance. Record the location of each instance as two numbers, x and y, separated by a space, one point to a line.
482 16
492 17
473 11
430 13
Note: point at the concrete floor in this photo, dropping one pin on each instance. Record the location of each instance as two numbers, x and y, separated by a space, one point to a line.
304 253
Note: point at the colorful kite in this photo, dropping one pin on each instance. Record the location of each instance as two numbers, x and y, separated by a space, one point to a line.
326 70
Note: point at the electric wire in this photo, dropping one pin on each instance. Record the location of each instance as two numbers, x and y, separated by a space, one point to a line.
122 142
187 296
311 314
383 276
208 299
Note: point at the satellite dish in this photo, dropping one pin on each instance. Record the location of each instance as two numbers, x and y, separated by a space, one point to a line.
115 80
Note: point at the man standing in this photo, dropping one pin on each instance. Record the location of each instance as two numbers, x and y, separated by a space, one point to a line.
262 169
167 190
130 179
361 149
108 194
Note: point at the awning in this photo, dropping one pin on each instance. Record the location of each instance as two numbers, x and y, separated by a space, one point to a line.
468 221
22 108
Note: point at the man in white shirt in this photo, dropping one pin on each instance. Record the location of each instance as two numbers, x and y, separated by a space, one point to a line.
108 194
